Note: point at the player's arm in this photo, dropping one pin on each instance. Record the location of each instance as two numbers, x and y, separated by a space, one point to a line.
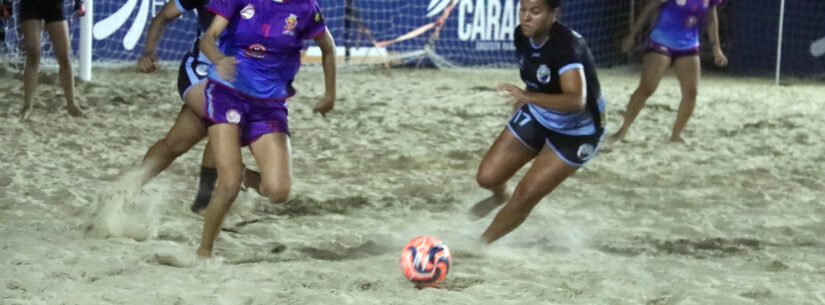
327 45
713 33
225 65
572 99
170 11
649 13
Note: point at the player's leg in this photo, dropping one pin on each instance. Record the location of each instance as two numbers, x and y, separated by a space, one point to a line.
547 173
59 36
31 30
688 70
654 66
225 139
187 131
272 153
507 155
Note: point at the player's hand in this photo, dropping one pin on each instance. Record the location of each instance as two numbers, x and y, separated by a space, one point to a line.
325 104
147 63
226 68
719 57
627 44
513 93
79 8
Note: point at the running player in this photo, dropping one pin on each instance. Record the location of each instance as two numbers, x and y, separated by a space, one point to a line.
189 127
33 15
558 122
673 41
249 82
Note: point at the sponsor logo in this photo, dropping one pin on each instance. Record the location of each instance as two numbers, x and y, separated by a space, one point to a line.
291 23
234 117
318 17
681 2
487 23
248 11
543 74
256 51
585 151
109 25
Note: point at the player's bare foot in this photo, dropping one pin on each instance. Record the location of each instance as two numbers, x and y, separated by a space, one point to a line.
487 205
25 112
678 139
616 137
75 111
204 253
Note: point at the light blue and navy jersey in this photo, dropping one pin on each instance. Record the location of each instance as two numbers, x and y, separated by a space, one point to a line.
678 24
541 67
266 37
204 19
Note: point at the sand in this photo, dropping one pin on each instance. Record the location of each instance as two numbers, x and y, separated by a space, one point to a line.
734 218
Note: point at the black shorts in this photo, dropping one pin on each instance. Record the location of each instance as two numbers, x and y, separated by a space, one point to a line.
191 72
574 150
47 10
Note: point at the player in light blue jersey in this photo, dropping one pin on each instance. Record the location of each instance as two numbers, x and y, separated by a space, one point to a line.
249 82
559 119
673 41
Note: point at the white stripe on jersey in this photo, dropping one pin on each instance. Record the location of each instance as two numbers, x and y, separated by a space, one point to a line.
570 67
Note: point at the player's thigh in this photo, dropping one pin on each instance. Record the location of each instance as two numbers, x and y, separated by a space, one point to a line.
59 36
654 66
194 98
31 30
505 157
547 172
688 70
225 141
187 131
272 153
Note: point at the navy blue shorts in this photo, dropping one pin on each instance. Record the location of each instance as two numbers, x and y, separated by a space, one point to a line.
574 150
193 70
46 10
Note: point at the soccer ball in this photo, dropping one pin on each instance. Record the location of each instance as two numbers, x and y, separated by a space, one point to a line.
425 261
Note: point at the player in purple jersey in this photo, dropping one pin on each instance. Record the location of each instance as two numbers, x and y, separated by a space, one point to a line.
249 82
673 41
189 127
35 15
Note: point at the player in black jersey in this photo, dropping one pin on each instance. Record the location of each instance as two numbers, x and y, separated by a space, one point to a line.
189 126
35 15
559 118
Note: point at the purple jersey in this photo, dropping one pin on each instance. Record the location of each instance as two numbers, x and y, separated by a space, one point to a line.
266 37
678 25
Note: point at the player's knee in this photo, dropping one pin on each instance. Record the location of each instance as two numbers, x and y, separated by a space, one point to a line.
63 61
487 179
276 192
526 197
690 92
32 57
227 187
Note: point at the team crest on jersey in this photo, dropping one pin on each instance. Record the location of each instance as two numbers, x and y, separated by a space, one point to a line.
543 74
248 11
291 23
201 69
233 116
585 151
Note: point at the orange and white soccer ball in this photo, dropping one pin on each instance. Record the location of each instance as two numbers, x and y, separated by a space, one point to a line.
425 261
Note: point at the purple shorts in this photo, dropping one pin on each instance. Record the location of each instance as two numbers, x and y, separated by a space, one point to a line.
254 116
674 54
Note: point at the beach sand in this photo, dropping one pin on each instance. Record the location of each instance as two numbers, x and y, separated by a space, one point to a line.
736 217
